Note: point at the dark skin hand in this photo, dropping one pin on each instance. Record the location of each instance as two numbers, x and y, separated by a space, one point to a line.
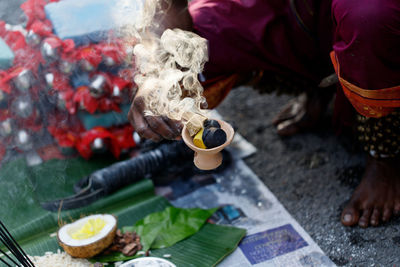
377 197
154 128
157 128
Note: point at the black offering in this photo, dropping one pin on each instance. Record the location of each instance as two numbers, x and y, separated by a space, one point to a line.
213 135
211 123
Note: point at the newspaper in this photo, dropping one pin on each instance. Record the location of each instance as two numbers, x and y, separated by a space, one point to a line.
274 238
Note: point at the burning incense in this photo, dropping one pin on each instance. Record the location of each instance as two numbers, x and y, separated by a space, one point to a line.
19 255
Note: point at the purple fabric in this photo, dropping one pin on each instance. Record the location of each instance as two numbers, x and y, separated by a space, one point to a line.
247 35
367 41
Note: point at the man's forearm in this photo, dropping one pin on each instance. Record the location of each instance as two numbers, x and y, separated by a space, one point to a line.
177 15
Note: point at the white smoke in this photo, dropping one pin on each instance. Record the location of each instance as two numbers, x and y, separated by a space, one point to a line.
167 71
168 66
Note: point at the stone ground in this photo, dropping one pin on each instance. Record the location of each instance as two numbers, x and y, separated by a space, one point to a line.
312 174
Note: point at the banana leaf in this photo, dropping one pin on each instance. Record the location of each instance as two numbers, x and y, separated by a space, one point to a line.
165 228
208 247
22 188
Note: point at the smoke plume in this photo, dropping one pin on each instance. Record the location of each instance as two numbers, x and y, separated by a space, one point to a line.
168 66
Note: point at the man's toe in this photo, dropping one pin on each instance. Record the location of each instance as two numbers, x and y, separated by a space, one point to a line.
350 215
397 208
284 115
375 217
288 112
365 218
387 213
287 128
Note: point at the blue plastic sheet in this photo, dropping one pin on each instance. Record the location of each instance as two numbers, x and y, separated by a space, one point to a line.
90 21
6 55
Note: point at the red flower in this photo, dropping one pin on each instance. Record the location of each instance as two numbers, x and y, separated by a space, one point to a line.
113 50
34 10
42 28
86 139
83 98
123 137
90 53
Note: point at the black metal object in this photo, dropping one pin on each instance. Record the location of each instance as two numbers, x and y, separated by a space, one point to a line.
107 180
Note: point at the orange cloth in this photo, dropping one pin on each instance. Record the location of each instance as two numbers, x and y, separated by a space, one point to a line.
369 103
216 89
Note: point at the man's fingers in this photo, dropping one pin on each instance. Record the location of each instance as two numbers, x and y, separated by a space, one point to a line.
130 114
158 125
143 129
137 107
136 118
175 125
139 104
152 127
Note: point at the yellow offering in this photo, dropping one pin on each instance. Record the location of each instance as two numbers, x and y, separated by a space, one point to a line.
91 228
198 139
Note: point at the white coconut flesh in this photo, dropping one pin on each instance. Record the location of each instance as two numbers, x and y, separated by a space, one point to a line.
88 236
67 232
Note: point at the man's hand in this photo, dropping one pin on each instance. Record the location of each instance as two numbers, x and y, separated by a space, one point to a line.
152 127
156 128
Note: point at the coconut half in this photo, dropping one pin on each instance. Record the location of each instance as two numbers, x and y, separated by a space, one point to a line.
88 236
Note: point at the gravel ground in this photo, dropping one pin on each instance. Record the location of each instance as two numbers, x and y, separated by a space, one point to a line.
312 174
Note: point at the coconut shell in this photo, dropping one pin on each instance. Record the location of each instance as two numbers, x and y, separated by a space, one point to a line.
89 250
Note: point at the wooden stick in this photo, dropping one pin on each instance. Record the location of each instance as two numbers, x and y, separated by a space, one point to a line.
5 254
14 247
194 122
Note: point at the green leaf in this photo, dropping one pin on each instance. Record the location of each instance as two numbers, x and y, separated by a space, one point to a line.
206 248
148 233
113 257
22 189
163 229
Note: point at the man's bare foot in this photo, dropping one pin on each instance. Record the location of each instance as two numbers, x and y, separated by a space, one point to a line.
377 197
302 113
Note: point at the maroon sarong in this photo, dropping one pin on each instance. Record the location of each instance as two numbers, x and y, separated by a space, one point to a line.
294 37
260 35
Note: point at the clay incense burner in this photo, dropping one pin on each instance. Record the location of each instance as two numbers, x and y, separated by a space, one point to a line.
208 159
